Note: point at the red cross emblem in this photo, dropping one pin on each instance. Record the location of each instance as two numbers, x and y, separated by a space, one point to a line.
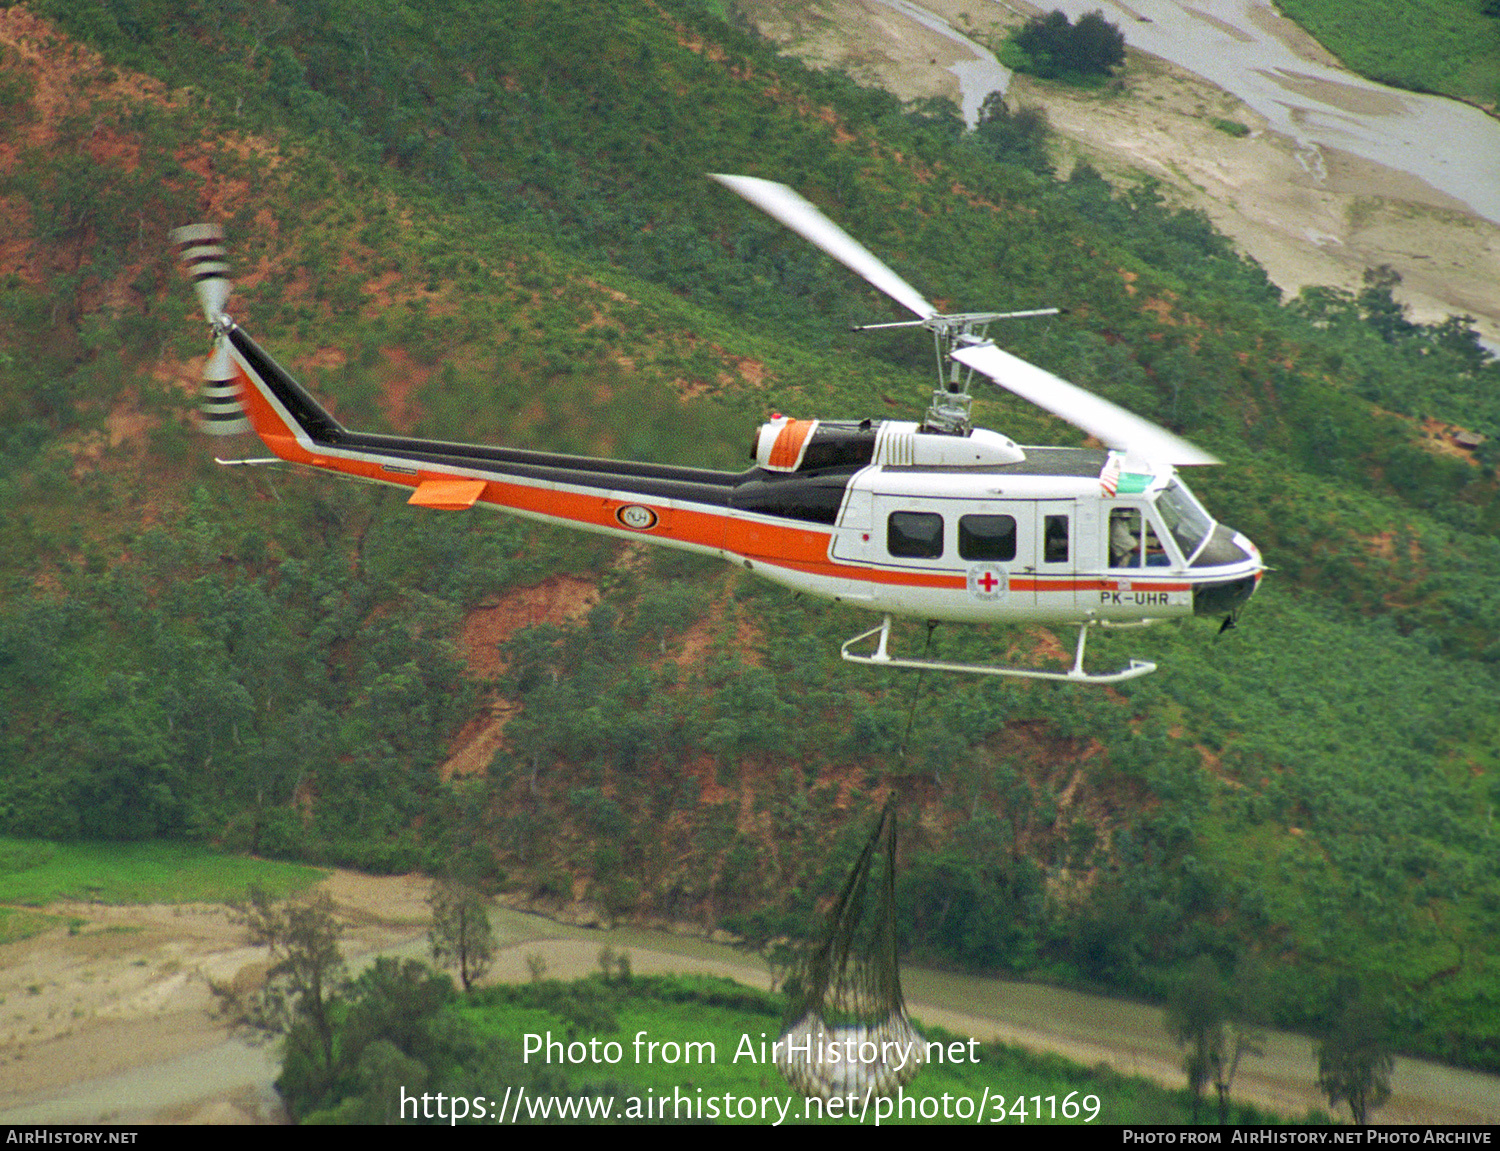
987 582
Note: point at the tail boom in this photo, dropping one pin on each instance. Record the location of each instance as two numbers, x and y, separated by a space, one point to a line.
679 507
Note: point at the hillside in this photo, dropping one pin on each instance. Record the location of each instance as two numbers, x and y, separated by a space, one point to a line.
495 226
1311 213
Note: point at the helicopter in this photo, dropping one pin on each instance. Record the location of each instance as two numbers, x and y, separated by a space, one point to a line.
937 519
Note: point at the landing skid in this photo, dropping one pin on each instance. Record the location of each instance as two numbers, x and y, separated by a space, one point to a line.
880 657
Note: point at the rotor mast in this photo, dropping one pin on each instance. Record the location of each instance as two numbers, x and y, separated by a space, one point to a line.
960 341
951 401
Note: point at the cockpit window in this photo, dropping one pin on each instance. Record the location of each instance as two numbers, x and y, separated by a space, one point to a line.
1185 518
1124 538
1133 541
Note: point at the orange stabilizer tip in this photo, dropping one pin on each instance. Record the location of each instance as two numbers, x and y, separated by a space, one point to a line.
447 495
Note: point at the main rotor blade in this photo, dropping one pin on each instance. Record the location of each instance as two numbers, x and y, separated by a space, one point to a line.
1101 419
781 203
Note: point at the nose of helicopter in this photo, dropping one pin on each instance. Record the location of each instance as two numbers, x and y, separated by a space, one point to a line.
1240 558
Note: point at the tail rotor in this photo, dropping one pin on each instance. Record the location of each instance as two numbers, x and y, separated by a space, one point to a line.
201 248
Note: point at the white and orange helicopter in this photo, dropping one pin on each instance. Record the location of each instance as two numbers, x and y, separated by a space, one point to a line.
937 520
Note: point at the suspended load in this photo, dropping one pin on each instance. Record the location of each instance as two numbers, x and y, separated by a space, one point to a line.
846 1031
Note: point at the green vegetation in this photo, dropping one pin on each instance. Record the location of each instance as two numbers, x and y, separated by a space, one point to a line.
493 224
399 1028
461 934
302 999
38 872
1451 47
1055 48
16 924
1230 127
1355 1060
1216 1025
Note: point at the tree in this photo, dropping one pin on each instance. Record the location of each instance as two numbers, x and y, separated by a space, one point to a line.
1457 335
1018 137
1195 1019
1382 311
461 933
1246 999
1096 45
304 983
1045 40
392 1035
614 965
1217 1025
1054 48
1355 1060
770 934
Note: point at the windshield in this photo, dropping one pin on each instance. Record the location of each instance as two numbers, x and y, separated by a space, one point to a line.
1184 517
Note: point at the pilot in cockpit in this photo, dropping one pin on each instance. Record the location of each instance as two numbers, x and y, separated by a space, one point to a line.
1124 543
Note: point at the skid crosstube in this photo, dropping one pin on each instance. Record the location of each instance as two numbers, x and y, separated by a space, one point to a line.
882 658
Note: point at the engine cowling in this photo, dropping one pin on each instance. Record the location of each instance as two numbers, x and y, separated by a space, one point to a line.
783 444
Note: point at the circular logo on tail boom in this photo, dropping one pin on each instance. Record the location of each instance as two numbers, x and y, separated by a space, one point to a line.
636 517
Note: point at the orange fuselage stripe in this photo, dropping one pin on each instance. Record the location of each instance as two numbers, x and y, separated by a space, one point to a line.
781 545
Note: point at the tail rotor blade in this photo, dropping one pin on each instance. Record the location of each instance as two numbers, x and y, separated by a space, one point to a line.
781 203
219 408
201 247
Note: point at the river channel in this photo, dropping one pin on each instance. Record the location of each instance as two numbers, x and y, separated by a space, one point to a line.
1336 174
1251 51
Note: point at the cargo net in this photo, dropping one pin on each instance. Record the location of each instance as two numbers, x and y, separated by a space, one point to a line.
846 1031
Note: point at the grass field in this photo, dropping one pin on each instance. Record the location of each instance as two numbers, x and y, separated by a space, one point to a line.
35 873
1444 46
16 923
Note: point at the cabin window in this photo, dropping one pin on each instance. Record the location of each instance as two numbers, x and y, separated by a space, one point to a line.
1055 540
915 535
987 538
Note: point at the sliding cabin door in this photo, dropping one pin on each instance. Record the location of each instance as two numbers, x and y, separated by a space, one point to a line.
1054 565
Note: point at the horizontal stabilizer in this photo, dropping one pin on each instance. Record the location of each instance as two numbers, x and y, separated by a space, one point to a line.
447 495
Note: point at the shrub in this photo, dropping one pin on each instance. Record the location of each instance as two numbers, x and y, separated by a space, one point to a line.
1054 48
